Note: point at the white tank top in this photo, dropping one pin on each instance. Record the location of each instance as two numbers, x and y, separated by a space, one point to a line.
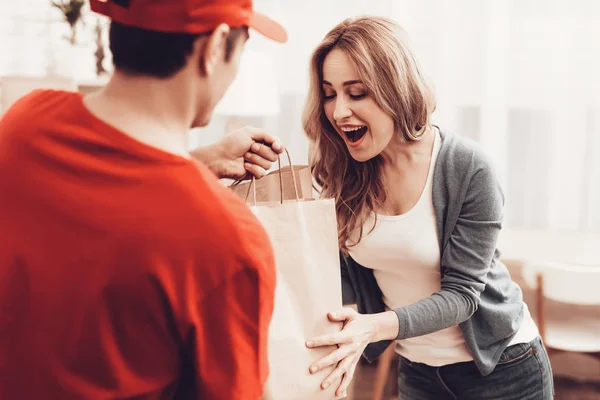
403 251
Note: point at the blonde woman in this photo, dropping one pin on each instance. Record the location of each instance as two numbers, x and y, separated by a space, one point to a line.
419 212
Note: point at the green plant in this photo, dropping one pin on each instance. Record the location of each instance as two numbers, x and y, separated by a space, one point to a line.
72 12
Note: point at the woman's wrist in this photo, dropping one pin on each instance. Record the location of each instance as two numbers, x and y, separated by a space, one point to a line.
386 326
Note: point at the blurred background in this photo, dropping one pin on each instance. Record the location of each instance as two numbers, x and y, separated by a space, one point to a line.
521 77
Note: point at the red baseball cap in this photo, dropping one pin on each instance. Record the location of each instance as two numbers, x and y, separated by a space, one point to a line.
188 16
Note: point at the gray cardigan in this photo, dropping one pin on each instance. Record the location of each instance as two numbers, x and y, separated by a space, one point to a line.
477 292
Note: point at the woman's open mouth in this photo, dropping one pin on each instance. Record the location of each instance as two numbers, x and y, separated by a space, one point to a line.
354 135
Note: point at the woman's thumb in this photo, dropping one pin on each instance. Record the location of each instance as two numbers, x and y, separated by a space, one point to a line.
341 315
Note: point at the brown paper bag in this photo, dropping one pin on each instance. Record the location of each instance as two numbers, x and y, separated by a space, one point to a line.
268 188
304 237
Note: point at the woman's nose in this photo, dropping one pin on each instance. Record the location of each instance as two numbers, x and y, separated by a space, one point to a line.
341 110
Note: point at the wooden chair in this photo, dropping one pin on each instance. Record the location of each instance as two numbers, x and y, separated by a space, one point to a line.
574 286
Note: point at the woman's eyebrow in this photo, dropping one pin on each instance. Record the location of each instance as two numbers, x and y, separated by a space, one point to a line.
347 83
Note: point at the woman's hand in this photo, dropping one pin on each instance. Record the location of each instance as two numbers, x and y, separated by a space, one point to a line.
358 331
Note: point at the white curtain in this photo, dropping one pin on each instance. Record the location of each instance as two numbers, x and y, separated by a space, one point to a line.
522 77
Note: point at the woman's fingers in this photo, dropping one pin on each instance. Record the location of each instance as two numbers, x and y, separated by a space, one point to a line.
337 373
355 335
348 376
344 314
330 340
339 354
341 315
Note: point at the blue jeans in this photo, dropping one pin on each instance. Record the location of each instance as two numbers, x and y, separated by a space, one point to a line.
522 373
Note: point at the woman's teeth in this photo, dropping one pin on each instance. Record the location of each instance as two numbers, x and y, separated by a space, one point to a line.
345 129
354 134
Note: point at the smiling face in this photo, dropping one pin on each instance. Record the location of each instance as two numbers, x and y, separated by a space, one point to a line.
352 111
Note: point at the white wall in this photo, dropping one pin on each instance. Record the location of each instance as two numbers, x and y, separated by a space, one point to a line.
32 41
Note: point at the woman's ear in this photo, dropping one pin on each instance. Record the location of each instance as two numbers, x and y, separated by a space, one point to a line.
212 50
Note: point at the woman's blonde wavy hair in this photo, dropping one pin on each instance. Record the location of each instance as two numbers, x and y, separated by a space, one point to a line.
379 49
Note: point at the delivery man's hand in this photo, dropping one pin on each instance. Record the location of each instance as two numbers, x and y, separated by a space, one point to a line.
245 150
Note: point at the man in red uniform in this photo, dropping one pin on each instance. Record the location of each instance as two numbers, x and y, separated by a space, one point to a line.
126 269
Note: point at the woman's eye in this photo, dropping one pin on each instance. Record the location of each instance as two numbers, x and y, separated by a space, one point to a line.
328 96
357 96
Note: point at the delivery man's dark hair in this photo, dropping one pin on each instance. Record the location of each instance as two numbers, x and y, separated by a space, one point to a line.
139 51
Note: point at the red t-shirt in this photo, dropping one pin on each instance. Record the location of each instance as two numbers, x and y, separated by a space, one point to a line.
125 271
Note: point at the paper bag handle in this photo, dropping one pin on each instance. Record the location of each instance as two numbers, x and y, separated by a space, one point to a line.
253 183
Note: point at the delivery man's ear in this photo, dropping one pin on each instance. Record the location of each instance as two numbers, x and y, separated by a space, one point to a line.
212 48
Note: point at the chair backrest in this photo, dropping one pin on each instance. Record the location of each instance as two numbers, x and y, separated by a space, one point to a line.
573 284
13 88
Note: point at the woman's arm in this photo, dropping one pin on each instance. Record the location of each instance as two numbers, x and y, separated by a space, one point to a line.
465 261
